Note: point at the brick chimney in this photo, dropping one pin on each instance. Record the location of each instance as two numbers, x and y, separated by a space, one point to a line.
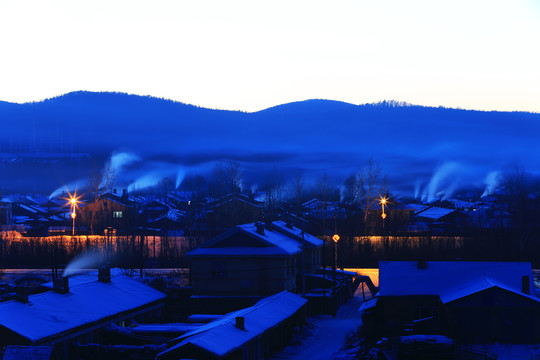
240 323
525 285
21 294
61 285
104 274
260 228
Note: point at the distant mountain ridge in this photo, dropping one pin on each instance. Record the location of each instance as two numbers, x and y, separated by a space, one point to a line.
411 142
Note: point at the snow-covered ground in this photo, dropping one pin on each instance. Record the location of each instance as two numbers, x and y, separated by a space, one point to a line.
325 334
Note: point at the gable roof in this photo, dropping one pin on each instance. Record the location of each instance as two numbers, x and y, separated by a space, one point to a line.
434 213
297 233
275 243
451 279
221 337
88 301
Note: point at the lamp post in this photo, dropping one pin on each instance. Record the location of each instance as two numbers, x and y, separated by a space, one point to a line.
336 239
73 200
383 202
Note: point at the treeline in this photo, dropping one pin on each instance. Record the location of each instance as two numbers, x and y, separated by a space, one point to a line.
120 251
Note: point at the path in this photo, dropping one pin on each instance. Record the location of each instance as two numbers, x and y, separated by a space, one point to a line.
328 333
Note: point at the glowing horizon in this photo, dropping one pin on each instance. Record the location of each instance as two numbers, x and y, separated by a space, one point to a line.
248 56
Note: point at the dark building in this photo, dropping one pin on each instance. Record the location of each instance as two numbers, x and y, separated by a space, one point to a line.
256 332
473 302
77 310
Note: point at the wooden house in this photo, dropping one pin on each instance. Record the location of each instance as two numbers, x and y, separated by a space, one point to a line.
231 210
248 260
473 302
77 310
109 211
256 332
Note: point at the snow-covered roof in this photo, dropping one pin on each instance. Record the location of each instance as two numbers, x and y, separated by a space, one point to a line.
451 280
221 337
88 301
277 244
416 207
282 225
434 213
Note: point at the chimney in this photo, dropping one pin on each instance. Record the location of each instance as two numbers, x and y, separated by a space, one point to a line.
289 224
260 228
525 285
104 274
114 191
422 264
124 193
21 294
61 285
240 323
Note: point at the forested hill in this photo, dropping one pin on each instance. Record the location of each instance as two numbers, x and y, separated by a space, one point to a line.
410 142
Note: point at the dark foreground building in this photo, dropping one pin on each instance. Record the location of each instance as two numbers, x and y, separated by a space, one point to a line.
256 332
77 311
472 302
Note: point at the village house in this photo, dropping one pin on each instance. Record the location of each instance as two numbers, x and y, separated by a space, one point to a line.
256 332
231 210
472 302
77 310
250 261
109 211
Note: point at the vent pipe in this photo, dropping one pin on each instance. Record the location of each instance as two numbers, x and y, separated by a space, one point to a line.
21 294
525 285
260 228
240 323
61 285
104 274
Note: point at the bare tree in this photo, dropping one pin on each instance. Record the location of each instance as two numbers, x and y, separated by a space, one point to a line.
517 186
324 188
227 178
297 188
101 181
273 188
368 187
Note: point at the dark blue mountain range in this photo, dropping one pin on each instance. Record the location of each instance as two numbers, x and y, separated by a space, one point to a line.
53 142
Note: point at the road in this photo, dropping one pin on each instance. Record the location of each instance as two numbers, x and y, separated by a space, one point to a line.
328 333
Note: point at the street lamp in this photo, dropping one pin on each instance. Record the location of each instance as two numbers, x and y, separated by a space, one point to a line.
336 239
73 200
383 201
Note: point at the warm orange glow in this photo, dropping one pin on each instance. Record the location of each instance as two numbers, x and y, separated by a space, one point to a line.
383 215
73 215
335 238
73 200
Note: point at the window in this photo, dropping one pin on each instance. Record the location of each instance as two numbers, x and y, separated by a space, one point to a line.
117 214
219 270
424 312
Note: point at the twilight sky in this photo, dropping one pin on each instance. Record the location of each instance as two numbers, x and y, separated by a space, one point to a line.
249 55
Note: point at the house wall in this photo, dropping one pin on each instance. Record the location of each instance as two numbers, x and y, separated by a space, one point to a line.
399 312
243 276
494 315
104 218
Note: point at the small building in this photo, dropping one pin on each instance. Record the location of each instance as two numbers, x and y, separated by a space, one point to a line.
77 310
473 302
248 260
109 211
311 245
256 332
231 210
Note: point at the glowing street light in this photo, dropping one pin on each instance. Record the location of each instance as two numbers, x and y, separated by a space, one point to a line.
335 238
73 200
383 202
